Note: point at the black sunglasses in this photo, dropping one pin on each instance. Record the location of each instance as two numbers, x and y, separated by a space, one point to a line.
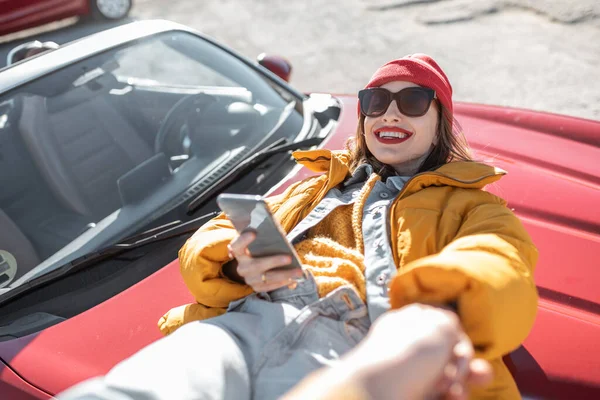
412 101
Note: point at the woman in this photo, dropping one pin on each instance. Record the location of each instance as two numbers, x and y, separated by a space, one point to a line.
444 240
399 218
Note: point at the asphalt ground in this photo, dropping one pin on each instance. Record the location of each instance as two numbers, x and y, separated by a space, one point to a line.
536 54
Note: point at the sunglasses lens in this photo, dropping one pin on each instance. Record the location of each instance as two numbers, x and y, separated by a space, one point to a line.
414 102
374 102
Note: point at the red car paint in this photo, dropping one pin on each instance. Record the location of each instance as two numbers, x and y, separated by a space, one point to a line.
16 15
553 186
13 387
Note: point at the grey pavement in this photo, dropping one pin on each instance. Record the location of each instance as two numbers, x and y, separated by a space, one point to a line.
536 54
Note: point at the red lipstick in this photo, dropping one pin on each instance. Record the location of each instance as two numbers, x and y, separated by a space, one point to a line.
391 135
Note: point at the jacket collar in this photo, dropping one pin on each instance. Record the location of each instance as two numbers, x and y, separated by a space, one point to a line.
462 174
323 160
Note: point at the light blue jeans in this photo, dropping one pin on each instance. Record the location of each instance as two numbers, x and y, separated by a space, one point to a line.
259 349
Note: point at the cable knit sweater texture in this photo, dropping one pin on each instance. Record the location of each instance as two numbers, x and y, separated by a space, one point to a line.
333 250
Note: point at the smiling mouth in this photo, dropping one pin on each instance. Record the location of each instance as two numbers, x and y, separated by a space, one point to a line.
392 136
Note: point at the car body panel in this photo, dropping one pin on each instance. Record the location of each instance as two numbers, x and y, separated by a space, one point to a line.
554 199
16 15
554 192
13 387
92 342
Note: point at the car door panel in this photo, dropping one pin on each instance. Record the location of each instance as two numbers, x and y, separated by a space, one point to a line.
22 14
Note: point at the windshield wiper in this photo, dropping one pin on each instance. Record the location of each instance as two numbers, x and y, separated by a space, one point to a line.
246 166
165 232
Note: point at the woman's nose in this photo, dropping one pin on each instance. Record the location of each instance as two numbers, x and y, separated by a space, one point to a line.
392 114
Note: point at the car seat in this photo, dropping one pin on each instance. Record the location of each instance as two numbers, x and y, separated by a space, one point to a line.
16 244
81 145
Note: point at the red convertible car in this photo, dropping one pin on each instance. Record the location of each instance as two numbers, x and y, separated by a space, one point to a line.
113 148
16 15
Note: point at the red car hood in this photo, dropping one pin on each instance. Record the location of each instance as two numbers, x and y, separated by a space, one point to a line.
553 184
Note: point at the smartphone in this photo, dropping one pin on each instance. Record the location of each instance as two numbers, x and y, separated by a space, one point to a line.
251 213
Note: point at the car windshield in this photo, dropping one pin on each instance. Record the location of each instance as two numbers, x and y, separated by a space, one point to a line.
94 152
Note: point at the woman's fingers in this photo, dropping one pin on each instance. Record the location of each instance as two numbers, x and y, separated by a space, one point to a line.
273 279
481 373
463 354
454 379
257 272
267 287
238 247
256 266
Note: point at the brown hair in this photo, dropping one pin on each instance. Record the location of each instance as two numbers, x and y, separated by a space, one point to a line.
451 146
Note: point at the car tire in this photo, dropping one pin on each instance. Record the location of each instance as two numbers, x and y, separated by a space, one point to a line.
110 10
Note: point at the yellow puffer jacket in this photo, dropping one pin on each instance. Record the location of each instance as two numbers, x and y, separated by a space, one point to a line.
452 241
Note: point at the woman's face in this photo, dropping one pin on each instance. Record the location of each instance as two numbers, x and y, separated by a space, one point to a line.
412 138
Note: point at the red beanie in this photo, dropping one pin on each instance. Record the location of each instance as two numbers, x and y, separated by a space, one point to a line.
416 68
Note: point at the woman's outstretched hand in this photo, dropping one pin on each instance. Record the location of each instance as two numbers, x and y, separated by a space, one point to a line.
258 272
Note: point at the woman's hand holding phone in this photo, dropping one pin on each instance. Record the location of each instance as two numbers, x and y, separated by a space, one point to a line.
257 271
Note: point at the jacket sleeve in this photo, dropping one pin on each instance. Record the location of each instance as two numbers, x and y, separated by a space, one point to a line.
201 259
178 316
488 270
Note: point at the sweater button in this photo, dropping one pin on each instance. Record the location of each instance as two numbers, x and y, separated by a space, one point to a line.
384 195
382 279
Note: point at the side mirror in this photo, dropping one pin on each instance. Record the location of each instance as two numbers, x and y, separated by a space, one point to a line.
277 65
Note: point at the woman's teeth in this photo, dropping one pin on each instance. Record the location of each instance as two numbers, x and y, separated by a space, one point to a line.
399 135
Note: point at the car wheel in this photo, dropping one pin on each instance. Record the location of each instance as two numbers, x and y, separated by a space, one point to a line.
110 9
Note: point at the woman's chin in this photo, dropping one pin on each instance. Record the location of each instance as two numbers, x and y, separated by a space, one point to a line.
393 161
